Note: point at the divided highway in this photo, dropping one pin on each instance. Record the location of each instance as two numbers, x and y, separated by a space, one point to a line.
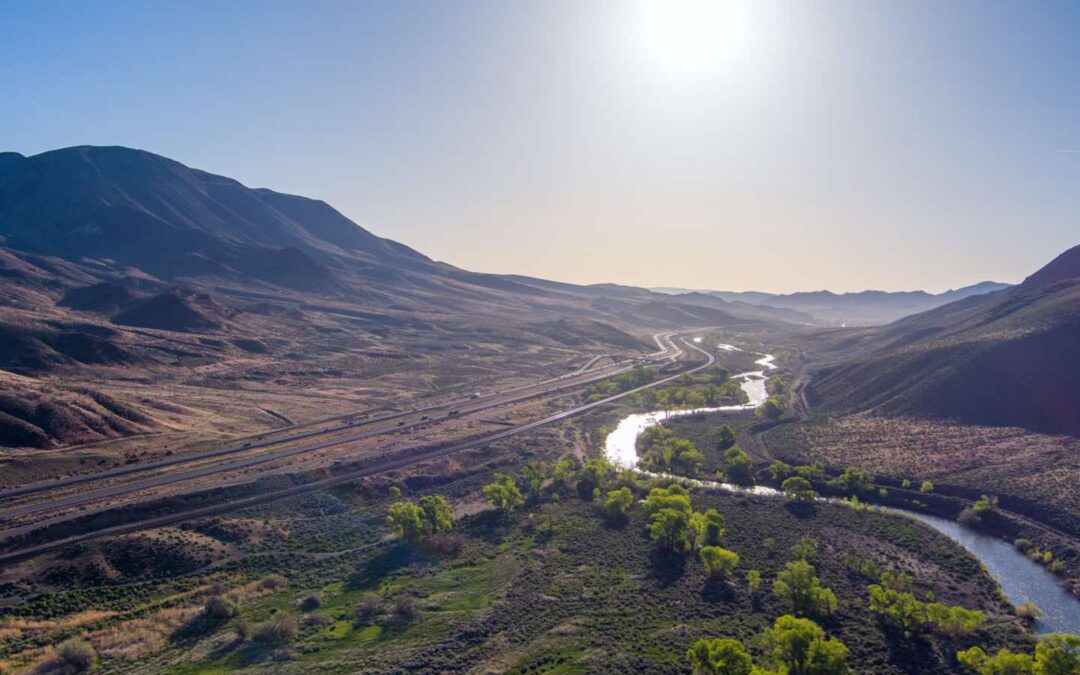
669 350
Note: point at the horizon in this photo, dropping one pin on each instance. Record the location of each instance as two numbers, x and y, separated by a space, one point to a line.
539 134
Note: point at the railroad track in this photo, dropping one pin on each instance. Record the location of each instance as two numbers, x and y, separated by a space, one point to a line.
399 460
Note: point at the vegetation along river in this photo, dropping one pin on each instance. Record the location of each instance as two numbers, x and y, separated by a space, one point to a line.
1021 579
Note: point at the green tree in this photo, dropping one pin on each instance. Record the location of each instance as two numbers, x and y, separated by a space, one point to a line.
798 489
708 526
1057 654
953 621
898 608
593 475
437 515
406 520
719 562
725 437
674 496
771 409
618 502
927 487
799 647
798 585
855 481
739 470
1002 663
781 470
720 656
671 527
503 493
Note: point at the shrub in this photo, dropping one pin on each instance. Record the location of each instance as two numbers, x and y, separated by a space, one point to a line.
370 608
76 654
277 632
310 603
1029 612
753 581
219 608
274 582
405 609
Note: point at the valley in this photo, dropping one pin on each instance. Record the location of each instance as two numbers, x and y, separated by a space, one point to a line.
267 440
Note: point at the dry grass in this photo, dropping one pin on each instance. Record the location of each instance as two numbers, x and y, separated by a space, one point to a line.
141 637
13 628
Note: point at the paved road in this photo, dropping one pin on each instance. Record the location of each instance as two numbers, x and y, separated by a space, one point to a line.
401 459
468 406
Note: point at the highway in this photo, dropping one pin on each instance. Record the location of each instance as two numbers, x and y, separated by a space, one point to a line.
462 407
669 350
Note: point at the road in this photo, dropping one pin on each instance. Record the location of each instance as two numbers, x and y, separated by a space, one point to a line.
668 350
463 407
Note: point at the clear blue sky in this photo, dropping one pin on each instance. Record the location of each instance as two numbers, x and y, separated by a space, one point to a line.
767 145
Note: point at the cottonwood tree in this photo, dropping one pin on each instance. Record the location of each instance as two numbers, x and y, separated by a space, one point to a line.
406 520
800 647
798 585
503 493
437 515
708 526
618 502
739 469
719 562
720 656
798 489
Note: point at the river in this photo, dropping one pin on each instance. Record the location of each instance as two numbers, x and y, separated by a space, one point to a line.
1021 579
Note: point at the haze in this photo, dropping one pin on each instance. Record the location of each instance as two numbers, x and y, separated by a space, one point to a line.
773 146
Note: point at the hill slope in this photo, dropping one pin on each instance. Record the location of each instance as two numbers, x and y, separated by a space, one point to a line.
1006 359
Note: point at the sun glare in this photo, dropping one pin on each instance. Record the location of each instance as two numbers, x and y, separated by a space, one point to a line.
691 39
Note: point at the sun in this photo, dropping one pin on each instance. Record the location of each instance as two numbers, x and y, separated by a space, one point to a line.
692 39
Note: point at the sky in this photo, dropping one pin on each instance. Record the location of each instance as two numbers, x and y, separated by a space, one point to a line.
736 145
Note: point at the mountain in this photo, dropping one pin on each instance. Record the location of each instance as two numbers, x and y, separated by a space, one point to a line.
864 308
131 210
118 265
1009 358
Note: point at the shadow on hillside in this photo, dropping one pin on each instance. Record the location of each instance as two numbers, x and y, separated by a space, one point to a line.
667 566
396 556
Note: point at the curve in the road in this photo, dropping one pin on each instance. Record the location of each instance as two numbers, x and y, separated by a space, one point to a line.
403 459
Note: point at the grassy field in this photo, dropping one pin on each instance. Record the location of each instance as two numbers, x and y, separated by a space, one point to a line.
556 587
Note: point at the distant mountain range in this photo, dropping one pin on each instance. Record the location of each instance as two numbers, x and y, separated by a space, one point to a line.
1008 358
864 308
119 262
141 222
